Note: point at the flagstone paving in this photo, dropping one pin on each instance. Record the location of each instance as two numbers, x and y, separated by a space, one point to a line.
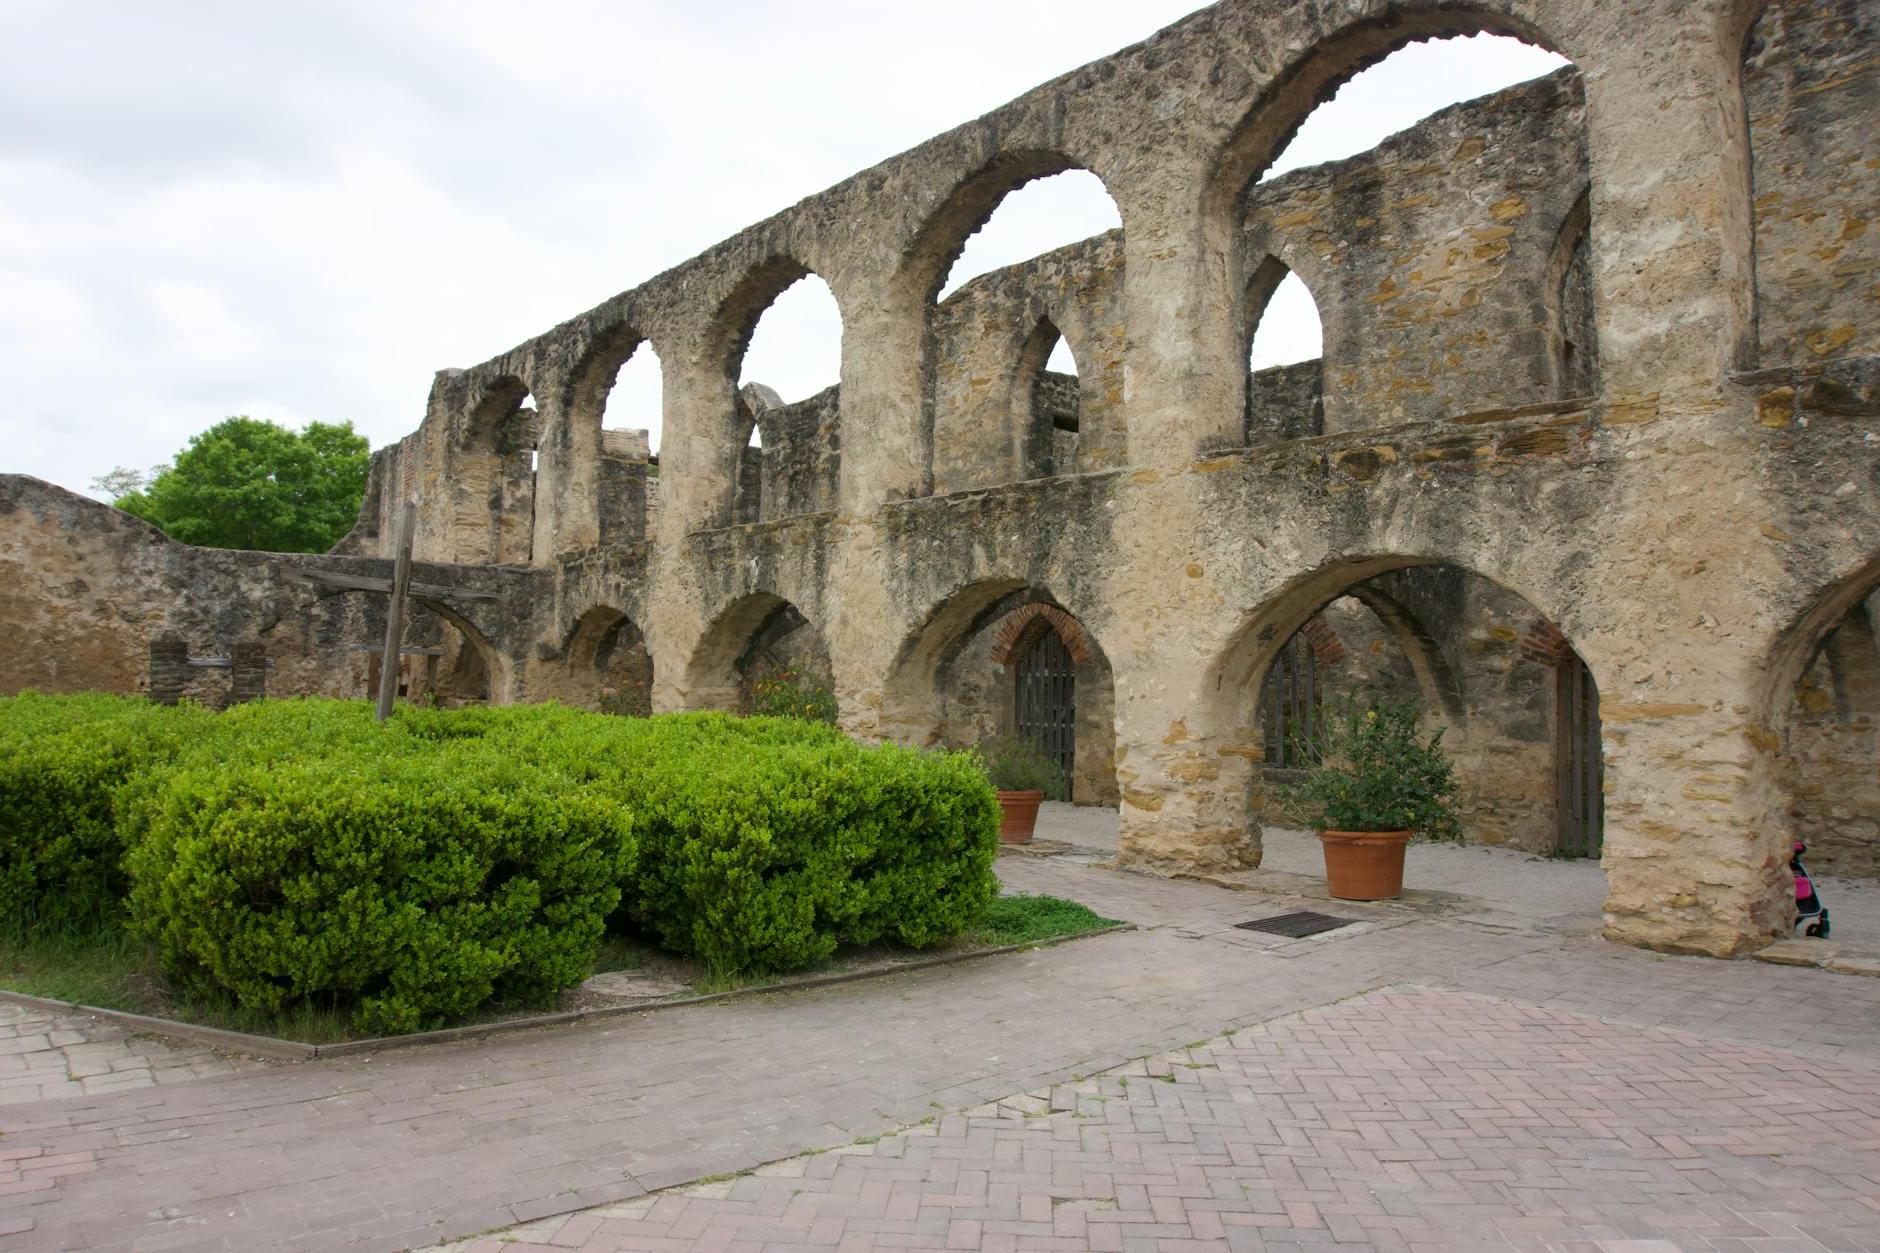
411 1147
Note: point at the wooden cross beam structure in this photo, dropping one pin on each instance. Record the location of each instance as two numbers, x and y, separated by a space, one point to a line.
400 588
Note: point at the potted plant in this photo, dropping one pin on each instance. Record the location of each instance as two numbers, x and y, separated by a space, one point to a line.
1022 774
1378 780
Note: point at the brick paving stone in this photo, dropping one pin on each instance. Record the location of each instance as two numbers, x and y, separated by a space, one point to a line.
408 1147
1406 1117
46 1054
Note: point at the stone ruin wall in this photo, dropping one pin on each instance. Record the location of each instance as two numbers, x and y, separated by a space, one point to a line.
1604 341
1834 786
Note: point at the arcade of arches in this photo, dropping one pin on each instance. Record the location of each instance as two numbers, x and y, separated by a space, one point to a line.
1586 460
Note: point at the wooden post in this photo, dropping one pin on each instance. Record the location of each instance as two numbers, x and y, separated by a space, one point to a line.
395 612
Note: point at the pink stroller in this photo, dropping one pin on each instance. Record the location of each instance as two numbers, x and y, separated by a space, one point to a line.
1811 916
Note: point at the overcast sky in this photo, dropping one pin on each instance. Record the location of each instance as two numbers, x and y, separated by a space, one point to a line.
298 211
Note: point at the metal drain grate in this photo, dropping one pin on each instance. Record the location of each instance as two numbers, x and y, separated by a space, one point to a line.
1298 925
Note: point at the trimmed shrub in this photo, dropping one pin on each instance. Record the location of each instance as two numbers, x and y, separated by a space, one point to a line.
64 760
295 851
768 842
413 885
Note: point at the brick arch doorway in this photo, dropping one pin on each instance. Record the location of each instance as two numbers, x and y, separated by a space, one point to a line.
1059 694
1044 699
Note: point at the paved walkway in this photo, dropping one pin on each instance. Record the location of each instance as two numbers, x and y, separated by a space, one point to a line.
416 1146
46 1054
1402 1120
1496 884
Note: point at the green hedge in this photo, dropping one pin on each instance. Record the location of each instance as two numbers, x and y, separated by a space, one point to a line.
63 762
767 842
414 885
295 851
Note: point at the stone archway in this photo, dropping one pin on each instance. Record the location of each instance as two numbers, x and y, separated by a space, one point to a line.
986 664
609 667
1825 720
756 638
1517 703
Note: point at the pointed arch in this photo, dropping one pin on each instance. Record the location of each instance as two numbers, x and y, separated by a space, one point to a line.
1313 78
1285 396
1572 339
1521 717
1046 405
609 667
744 463
962 676
494 472
755 636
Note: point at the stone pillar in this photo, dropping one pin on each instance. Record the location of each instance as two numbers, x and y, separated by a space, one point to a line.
1183 765
886 453
248 672
1694 862
1186 381
567 504
1671 233
169 668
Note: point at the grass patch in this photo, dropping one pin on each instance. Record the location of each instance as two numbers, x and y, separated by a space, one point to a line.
1029 919
100 965
109 967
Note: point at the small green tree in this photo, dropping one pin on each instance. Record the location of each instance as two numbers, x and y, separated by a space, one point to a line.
244 483
1376 770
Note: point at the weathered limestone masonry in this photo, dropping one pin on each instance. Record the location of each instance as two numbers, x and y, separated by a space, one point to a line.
1604 344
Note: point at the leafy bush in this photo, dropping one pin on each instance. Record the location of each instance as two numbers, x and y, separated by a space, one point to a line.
1377 771
296 853
1015 764
767 842
415 885
63 762
786 694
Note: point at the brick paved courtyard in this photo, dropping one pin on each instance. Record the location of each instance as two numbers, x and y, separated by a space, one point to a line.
1403 1119
1416 1077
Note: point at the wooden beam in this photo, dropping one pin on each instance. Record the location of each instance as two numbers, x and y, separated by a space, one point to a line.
395 612
366 583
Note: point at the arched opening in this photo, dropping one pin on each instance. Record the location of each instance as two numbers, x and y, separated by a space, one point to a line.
1826 715
1030 220
1809 79
445 661
1517 705
1391 93
494 484
1410 197
756 647
1002 658
1572 347
609 667
1047 397
1017 279
785 435
1285 357
630 411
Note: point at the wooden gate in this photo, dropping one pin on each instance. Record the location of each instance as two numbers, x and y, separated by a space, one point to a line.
1579 766
1289 703
1047 701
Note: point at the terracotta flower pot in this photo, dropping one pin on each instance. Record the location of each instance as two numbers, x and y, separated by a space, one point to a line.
1019 819
1364 865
